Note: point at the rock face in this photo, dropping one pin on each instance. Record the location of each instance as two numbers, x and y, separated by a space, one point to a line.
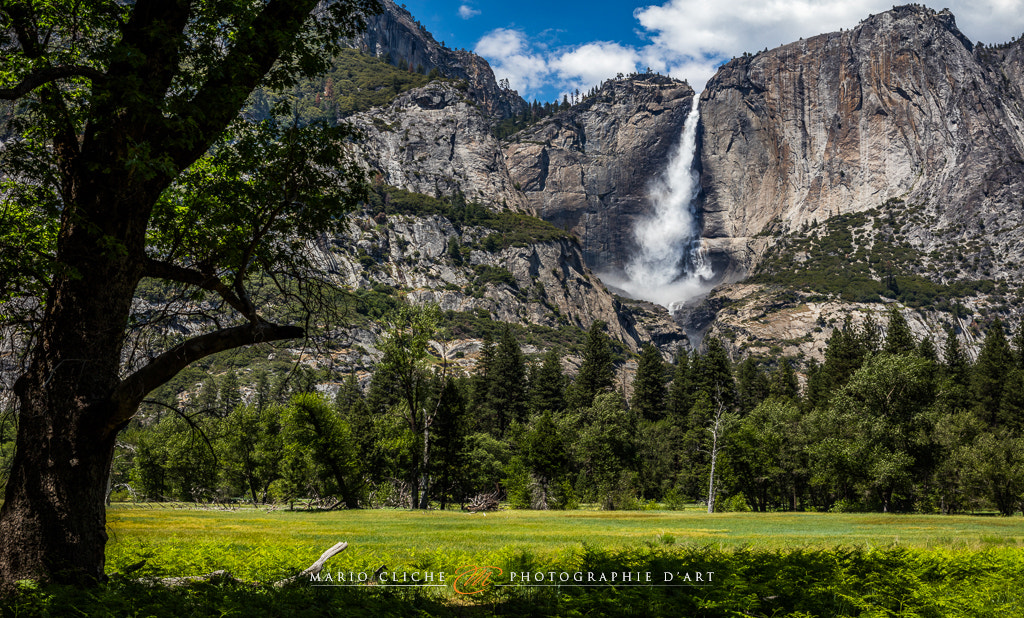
433 140
756 319
902 106
588 169
396 35
547 284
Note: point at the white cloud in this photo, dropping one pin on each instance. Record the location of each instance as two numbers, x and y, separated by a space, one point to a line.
692 36
510 55
466 11
689 39
530 67
587 65
695 35
989 21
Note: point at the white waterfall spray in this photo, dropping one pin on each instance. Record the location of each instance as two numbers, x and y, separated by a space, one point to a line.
669 267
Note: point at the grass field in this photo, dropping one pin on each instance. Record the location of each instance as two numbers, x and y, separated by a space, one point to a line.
264 544
766 565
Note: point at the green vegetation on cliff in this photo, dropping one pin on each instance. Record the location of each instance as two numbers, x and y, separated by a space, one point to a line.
510 229
356 82
871 255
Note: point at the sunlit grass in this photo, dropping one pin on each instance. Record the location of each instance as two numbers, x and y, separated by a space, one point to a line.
262 545
776 564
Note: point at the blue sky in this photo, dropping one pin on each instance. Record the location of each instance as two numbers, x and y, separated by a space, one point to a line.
547 48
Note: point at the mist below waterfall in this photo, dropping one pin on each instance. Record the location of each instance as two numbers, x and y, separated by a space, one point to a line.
668 266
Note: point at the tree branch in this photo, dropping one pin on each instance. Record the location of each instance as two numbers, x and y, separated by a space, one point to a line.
243 267
25 27
224 576
156 30
143 64
207 281
46 75
231 80
158 371
314 568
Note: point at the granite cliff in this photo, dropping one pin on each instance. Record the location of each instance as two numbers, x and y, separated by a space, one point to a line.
902 106
901 116
435 140
467 269
398 37
588 169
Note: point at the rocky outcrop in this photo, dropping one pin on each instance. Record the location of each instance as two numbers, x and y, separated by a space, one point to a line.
588 169
544 283
769 322
433 140
395 35
901 106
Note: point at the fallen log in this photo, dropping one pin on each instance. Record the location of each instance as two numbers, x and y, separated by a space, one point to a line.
314 568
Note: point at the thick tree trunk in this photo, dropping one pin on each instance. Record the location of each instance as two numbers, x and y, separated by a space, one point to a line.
52 524
251 481
53 520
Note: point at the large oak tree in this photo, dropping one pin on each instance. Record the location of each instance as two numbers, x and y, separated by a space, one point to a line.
125 163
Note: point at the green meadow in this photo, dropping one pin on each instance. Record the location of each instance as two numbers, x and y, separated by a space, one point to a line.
764 565
260 545
773 564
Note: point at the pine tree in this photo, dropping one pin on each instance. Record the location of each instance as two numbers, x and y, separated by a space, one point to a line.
752 385
547 386
784 383
262 395
680 392
230 395
448 441
817 392
954 376
868 335
1011 407
954 361
208 396
596 373
926 349
649 385
712 374
1018 345
479 385
455 251
349 396
506 379
898 338
844 354
989 376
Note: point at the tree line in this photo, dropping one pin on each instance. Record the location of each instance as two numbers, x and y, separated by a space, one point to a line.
884 423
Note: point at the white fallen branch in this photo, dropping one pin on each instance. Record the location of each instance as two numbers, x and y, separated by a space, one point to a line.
314 568
177 582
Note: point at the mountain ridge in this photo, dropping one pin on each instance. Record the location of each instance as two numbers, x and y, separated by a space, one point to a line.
901 115
397 36
845 121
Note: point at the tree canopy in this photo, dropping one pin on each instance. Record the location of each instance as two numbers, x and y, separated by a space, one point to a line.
125 168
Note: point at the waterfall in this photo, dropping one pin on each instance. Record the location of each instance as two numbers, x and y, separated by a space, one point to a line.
669 266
